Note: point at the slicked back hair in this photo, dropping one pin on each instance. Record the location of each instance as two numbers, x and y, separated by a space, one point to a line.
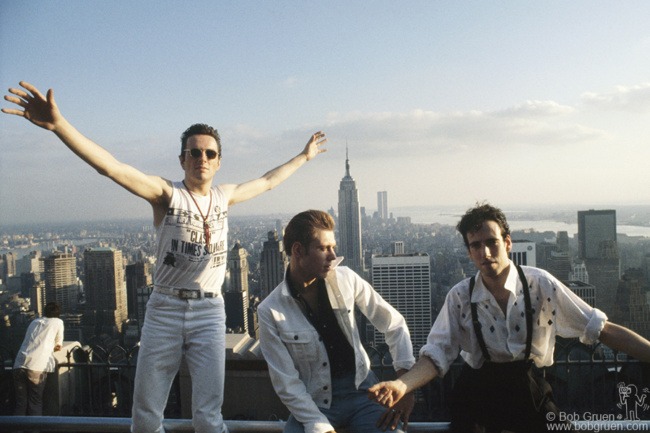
200 129
474 218
302 228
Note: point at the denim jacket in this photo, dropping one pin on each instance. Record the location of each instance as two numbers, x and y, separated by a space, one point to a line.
297 359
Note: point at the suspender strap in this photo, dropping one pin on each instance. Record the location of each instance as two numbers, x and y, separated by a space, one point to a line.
475 322
528 310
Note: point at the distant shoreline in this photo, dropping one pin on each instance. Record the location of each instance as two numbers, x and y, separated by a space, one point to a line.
633 220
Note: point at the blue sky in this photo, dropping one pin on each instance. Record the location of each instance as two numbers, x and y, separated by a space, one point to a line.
440 103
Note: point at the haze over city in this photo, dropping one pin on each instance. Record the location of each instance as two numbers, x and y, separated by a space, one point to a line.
438 103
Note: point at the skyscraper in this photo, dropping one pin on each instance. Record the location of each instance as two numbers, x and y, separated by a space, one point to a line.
598 248
105 288
236 292
631 300
273 262
382 205
597 234
523 253
349 224
405 282
8 266
137 275
61 284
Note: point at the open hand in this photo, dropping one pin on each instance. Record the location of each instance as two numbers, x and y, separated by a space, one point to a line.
314 144
38 109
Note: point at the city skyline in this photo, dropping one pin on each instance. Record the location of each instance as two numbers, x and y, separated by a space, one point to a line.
439 103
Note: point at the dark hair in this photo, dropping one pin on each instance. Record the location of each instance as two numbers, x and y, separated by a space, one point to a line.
302 228
52 309
474 218
200 129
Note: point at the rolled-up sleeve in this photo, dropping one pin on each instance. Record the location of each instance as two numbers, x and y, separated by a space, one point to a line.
443 344
575 318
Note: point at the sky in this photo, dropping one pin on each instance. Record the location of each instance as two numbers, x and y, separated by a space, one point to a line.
440 103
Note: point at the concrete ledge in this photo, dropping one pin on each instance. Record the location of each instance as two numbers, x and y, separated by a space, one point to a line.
122 425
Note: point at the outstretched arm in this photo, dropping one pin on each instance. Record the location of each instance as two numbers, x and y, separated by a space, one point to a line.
389 393
271 179
43 111
625 340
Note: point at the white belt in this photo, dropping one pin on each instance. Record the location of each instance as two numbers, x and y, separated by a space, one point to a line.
185 293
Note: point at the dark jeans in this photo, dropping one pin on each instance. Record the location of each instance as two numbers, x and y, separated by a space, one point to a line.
29 386
502 396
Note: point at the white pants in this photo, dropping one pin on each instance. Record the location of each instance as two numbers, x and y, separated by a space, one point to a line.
174 328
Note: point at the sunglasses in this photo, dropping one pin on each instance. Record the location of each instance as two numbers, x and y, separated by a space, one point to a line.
196 153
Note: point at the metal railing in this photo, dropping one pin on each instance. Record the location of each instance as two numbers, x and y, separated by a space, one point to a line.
95 383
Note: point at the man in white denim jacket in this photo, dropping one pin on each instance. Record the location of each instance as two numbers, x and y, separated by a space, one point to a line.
310 339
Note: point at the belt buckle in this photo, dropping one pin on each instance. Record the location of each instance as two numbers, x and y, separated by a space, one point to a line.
188 294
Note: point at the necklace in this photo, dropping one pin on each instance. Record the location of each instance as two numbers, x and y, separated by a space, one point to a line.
206 226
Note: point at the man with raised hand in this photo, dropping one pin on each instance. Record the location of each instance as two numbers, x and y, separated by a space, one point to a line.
185 315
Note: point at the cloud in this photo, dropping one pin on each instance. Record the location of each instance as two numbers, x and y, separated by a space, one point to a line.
418 132
290 82
623 98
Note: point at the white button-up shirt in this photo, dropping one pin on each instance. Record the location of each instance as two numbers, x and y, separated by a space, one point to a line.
37 350
297 359
556 311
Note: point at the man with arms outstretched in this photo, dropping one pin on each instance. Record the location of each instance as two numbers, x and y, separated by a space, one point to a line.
185 315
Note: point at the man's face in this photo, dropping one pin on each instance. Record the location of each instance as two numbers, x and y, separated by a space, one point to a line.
489 250
319 258
200 167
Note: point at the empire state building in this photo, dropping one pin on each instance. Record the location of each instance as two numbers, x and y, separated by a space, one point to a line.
349 225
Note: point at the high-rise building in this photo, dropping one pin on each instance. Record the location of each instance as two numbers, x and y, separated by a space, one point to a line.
598 248
633 310
585 290
37 297
61 285
397 248
579 273
273 263
597 234
8 266
404 281
30 263
562 241
143 294
382 205
559 264
137 275
523 253
105 288
349 224
236 292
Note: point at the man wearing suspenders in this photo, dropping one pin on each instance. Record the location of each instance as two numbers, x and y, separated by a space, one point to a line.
502 321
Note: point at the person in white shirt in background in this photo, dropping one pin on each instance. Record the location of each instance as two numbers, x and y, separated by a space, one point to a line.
35 360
